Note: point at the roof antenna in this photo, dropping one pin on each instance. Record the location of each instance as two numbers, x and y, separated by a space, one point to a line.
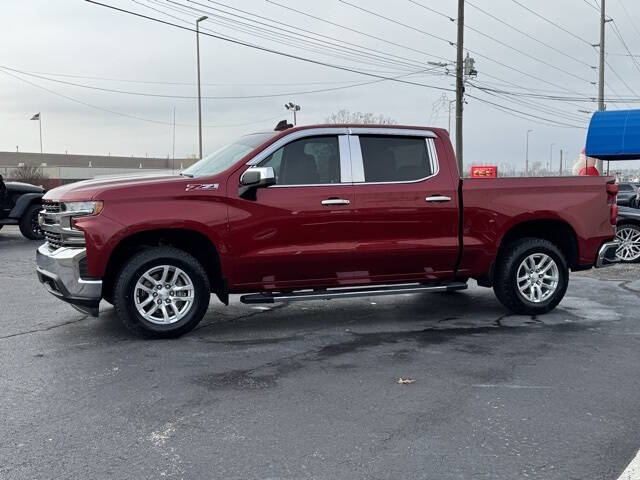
282 125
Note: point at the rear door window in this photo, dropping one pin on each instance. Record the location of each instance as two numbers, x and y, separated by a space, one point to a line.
394 159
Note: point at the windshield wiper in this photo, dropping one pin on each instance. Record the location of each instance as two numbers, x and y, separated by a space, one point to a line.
190 175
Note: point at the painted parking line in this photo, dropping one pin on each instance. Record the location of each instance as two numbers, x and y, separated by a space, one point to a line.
632 472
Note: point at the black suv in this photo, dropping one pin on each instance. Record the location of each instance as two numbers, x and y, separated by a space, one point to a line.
20 204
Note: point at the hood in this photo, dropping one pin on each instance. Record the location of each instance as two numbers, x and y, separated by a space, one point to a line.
92 189
19 187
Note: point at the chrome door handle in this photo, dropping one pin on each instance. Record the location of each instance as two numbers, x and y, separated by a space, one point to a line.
438 198
335 201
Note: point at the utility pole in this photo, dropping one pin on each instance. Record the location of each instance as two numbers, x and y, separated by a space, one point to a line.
459 84
551 157
560 170
526 155
173 149
601 105
199 97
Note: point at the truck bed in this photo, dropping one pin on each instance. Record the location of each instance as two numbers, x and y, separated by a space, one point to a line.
491 207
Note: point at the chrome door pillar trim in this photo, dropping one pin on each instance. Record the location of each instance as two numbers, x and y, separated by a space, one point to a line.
346 175
357 167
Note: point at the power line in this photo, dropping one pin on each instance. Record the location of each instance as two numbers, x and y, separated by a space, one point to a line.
407 47
316 62
191 97
529 115
506 45
560 27
629 17
616 31
319 46
540 79
437 37
358 51
531 37
269 50
121 114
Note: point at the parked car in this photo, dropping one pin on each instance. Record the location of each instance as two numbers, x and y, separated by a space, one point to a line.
19 205
319 212
628 234
627 193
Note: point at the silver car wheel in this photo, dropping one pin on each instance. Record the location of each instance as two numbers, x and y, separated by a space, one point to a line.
629 249
538 277
164 294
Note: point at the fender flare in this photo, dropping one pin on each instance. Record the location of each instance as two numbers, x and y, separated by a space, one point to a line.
23 203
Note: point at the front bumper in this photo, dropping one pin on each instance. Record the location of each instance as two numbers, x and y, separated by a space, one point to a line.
607 254
59 271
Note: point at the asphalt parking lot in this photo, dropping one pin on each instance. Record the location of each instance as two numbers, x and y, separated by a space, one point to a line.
309 390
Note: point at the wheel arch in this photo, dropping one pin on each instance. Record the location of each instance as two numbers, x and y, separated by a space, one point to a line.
192 241
23 202
558 232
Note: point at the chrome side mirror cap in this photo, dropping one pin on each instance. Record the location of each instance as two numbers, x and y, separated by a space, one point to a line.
254 178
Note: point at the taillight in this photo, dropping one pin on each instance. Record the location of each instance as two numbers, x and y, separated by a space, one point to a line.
612 193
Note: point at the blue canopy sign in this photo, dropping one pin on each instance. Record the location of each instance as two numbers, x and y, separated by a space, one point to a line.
614 135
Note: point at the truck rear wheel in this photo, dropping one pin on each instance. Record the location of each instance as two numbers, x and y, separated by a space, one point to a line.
162 292
532 276
29 226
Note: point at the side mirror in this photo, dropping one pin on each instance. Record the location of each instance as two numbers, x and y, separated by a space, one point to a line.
254 178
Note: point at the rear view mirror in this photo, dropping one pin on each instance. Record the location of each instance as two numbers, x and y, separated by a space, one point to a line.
254 178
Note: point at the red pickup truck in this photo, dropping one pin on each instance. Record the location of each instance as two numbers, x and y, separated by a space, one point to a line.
325 211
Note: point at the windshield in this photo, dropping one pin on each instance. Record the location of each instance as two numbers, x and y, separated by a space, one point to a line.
226 156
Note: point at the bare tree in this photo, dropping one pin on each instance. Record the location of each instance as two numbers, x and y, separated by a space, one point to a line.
347 116
28 174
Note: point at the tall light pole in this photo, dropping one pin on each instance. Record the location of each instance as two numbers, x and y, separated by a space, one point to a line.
551 157
199 97
526 157
294 108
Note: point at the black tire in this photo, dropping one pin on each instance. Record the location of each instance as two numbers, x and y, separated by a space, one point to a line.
627 255
29 226
505 283
123 294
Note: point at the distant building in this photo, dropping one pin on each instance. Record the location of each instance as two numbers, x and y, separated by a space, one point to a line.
62 168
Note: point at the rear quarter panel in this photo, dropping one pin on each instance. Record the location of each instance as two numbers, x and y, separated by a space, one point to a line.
491 207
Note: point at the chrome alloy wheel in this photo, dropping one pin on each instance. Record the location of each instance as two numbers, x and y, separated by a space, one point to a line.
629 249
164 294
538 277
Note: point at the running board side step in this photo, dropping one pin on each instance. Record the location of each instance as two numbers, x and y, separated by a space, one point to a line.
330 293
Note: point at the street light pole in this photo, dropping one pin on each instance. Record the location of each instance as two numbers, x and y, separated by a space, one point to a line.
199 96
526 158
551 157
294 108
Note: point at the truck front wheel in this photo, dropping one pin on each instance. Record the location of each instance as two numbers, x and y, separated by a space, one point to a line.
161 292
29 226
532 276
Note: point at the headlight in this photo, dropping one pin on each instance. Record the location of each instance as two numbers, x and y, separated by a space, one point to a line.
83 208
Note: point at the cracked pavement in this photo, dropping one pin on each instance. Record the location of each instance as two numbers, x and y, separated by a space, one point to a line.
309 390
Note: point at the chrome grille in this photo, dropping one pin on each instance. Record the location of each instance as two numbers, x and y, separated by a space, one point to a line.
51 207
54 240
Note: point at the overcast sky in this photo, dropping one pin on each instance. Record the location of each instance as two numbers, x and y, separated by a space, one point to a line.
78 42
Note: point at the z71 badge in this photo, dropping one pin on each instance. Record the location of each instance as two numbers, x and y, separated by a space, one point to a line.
201 186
